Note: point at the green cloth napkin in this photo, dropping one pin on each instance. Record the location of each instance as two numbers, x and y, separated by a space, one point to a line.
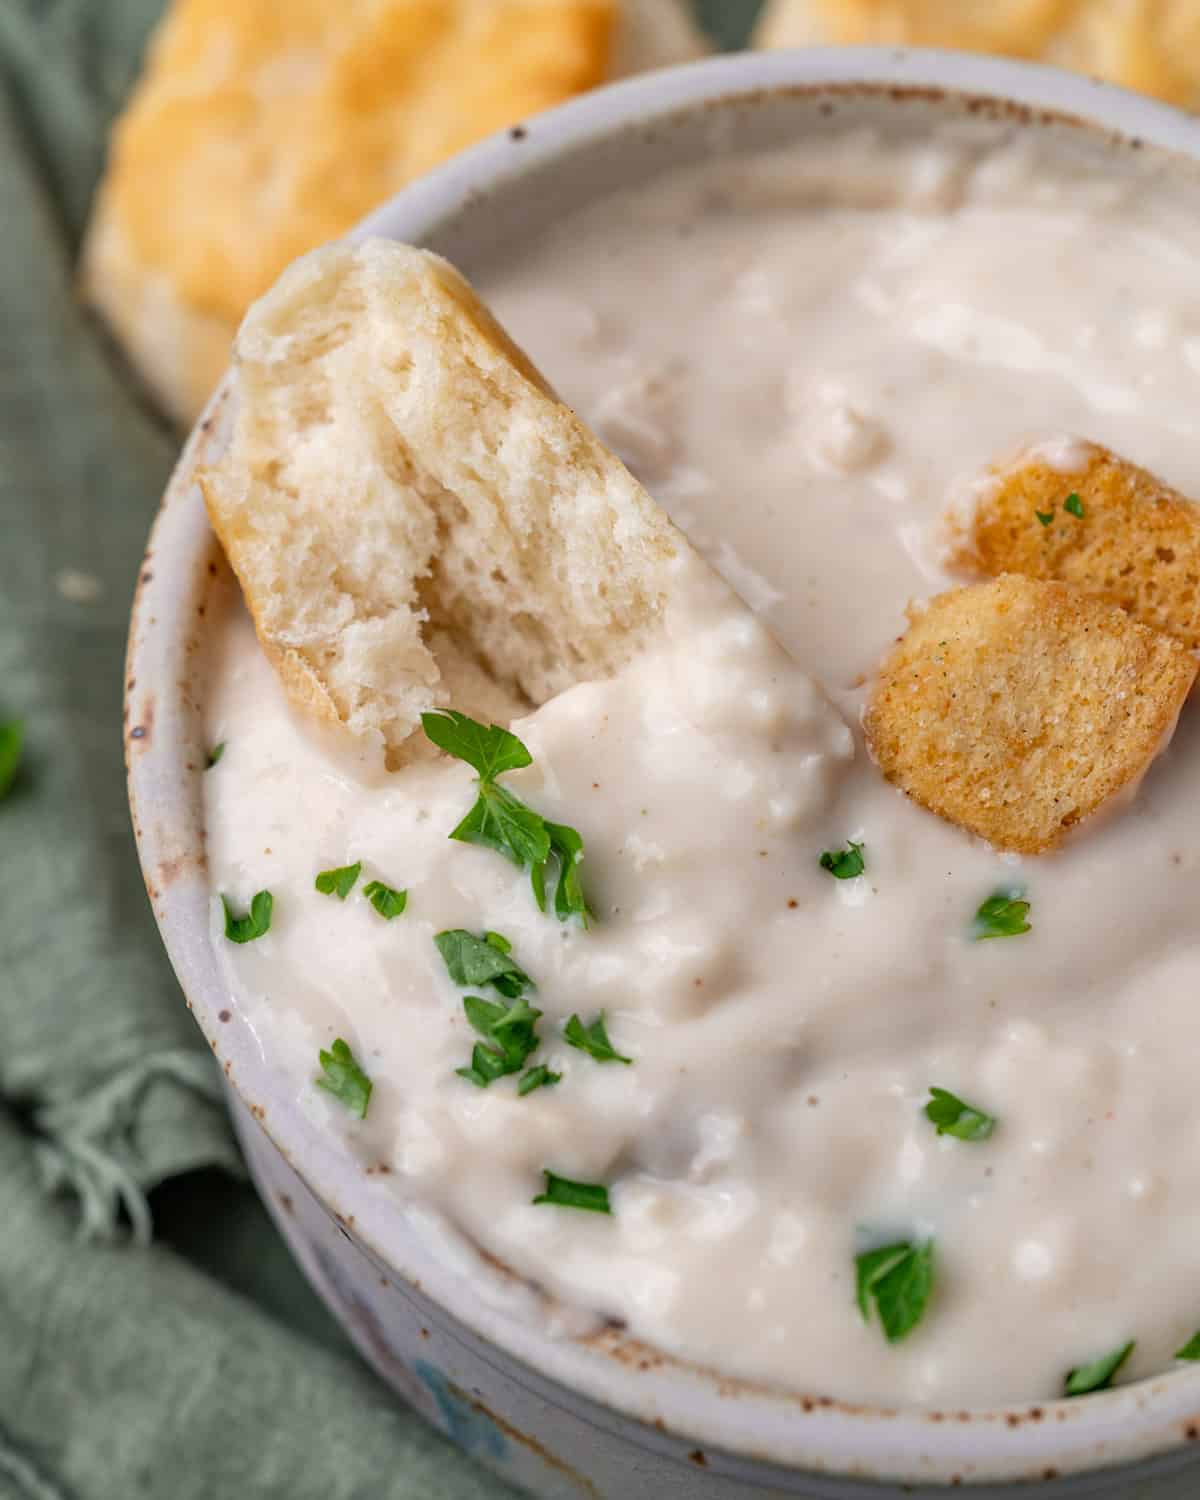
155 1338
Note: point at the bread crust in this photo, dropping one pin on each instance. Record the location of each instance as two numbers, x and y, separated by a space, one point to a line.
1017 708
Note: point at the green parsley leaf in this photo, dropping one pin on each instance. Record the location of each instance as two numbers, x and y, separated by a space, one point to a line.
485 1067
844 864
339 882
12 741
1002 915
473 961
510 1038
566 848
1190 1350
1100 1374
1044 516
387 902
344 1079
871 1266
214 755
490 751
953 1117
561 1191
899 1279
1074 505
254 924
501 821
592 1039
537 1078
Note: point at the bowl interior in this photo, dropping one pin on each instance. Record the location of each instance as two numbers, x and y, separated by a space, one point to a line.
479 210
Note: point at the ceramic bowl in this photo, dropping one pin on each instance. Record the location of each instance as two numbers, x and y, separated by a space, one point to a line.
562 1413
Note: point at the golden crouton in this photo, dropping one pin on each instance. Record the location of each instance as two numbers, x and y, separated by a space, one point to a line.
1098 522
1017 708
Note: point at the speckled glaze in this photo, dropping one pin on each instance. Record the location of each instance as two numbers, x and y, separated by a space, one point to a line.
456 1335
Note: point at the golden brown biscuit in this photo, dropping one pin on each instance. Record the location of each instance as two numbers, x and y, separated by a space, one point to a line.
1017 708
1127 535
261 129
1151 45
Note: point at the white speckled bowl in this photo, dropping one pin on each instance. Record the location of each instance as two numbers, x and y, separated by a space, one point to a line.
603 1417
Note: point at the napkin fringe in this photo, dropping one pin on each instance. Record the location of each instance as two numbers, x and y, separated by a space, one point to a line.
19 1473
100 1147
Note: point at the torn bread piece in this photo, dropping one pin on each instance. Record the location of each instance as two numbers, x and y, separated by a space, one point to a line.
1018 708
261 129
1149 45
414 517
1076 512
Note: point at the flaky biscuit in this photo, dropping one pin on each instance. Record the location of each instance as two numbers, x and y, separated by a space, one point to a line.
1018 708
1151 45
260 130
1127 535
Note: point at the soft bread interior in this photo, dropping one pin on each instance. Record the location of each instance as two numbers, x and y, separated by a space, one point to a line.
414 516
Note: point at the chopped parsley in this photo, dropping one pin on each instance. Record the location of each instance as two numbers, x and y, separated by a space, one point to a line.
339 882
844 864
592 1039
509 1039
489 751
12 741
473 961
537 1078
386 901
561 1191
214 755
899 1280
1190 1350
1044 516
953 1117
1073 505
344 1079
1005 914
1100 1374
501 821
256 922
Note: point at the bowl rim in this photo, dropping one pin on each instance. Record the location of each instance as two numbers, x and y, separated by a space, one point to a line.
1156 1419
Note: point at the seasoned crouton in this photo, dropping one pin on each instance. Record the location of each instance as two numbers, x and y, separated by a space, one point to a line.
1091 518
1018 708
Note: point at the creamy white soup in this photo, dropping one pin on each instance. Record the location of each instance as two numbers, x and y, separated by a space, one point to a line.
806 358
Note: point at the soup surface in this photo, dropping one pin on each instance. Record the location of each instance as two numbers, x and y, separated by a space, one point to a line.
806 357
